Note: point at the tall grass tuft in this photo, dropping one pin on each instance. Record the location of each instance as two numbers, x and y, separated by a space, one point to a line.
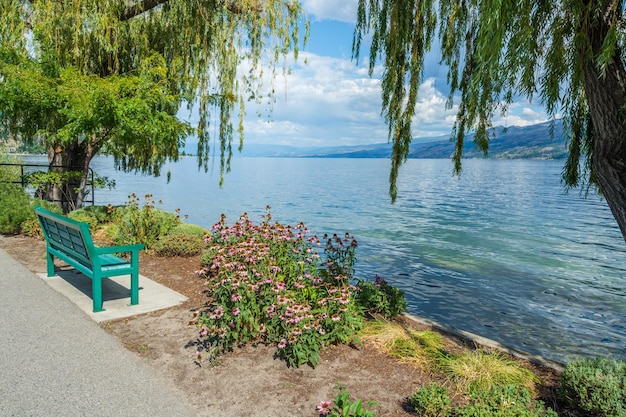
482 370
424 349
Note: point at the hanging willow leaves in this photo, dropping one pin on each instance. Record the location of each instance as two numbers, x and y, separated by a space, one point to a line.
114 73
494 50
568 54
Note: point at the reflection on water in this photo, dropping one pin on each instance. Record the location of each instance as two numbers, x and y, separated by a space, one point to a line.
501 251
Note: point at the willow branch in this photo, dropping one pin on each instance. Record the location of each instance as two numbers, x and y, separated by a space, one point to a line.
139 8
145 5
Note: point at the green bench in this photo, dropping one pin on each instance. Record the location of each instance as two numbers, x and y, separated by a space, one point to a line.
70 241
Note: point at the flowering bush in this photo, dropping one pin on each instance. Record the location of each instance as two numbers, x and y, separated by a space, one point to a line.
142 225
380 298
269 283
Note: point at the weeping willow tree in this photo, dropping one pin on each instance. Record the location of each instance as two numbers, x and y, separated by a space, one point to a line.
92 75
569 53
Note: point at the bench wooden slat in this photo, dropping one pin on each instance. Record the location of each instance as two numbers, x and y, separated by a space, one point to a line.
69 238
70 241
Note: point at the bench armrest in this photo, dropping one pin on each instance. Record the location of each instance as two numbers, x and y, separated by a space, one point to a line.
120 249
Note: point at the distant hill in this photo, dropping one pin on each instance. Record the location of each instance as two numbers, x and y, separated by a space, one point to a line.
529 142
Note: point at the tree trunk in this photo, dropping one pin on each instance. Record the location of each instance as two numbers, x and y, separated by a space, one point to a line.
606 95
62 159
90 151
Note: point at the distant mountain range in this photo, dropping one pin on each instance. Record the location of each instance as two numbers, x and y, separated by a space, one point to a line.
529 142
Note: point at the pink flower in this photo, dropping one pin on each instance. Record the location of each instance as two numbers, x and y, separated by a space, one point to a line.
343 299
235 297
282 344
204 331
236 311
324 407
335 317
217 313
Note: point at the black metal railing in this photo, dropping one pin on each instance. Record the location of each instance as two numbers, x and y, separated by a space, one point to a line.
24 172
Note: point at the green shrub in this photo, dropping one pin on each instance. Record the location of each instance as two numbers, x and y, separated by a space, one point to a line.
83 216
380 298
110 231
504 401
93 215
14 208
117 212
432 400
31 226
9 173
344 406
143 225
189 229
596 386
179 244
48 205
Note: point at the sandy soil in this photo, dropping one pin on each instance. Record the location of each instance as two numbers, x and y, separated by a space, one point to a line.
248 381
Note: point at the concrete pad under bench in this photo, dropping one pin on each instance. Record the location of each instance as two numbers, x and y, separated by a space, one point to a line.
115 293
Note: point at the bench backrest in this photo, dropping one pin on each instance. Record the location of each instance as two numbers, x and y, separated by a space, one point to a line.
64 234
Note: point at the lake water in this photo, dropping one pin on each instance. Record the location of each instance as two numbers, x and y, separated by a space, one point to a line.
501 252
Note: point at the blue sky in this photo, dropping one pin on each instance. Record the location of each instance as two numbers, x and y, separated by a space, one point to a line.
330 100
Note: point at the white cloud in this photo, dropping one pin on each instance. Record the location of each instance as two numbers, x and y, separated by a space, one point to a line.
331 101
342 10
431 117
522 114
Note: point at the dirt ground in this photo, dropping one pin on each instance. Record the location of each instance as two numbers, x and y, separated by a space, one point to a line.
249 381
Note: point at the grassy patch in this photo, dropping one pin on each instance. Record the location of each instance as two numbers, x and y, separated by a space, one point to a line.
483 370
423 349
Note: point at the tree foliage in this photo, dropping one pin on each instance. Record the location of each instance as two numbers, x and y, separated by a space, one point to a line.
568 53
128 114
93 74
494 50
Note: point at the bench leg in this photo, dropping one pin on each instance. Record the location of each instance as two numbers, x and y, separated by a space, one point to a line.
134 288
50 261
96 293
